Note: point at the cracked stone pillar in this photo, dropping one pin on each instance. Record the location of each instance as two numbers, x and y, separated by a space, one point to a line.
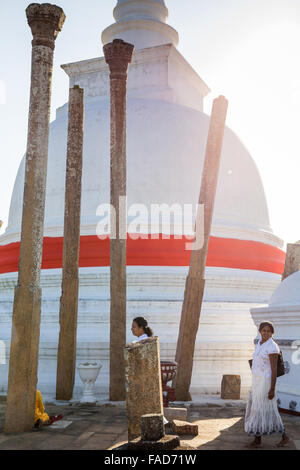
45 21
292 259
143 383
194 286
118 55
66 356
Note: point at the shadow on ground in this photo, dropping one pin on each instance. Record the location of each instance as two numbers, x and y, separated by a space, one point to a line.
223 429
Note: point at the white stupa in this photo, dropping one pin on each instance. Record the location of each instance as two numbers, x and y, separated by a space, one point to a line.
166 138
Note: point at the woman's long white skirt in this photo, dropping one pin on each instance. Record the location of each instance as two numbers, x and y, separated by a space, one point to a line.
262 415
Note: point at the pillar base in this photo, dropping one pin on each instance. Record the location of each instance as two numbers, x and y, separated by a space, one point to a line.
165 443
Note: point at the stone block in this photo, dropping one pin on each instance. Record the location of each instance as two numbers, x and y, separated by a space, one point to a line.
231 387
175 413
182 428
152 427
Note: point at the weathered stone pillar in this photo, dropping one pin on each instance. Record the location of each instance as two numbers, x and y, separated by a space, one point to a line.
143 382
118 55
195 281
66 358
292 259
45 22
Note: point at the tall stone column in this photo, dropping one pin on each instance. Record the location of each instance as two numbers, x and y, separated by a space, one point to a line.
118 55
45 21
195 281
292 259
66 358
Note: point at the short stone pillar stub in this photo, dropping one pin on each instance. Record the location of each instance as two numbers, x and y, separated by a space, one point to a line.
152 427
231 387
143 383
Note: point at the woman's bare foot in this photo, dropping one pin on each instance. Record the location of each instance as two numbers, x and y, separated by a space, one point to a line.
256 443
284 441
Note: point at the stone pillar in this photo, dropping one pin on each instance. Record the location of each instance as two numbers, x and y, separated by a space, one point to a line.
143 383
292 259
118 55
66 358
195 281
45 21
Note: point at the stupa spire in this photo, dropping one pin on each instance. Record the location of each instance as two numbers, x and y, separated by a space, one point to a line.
142 23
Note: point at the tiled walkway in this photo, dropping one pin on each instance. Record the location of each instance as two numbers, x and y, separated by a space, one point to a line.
103 426
83 427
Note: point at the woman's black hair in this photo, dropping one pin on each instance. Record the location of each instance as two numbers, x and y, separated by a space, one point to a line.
266 323
142 323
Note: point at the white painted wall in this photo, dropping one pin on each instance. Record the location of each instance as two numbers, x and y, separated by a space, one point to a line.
224 340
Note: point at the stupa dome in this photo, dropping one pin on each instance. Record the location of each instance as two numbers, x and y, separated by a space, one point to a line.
287 293
166 139
165 151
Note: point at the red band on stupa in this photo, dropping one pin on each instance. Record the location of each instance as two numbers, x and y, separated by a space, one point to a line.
222 252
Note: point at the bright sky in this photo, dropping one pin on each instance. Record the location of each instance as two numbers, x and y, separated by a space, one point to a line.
247 50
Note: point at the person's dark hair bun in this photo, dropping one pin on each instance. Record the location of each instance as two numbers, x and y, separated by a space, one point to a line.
148 331
142 323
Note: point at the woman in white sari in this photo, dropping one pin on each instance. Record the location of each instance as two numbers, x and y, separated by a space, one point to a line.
262 416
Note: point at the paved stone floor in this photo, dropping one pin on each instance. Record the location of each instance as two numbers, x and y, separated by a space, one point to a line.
103 426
